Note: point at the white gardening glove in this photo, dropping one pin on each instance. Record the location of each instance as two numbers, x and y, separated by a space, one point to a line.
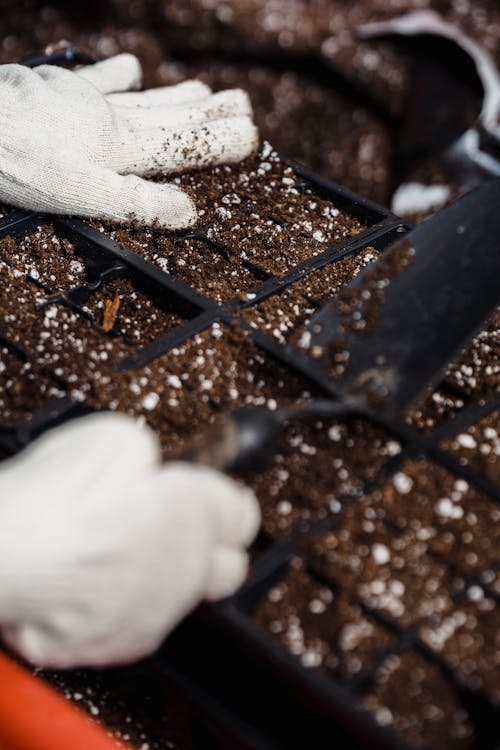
69 145
103 550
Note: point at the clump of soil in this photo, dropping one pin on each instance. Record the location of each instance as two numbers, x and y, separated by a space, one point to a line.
45 257
120 308
478 446
323 627
412 696
319 465
281 315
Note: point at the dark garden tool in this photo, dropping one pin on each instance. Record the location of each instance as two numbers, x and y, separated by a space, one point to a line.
422 301
452 111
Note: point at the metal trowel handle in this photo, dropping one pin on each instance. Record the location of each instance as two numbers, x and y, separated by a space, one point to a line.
240 442
245 441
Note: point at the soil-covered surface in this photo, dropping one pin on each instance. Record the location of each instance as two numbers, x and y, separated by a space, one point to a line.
259 211
282 315
321 626
478 446
412 696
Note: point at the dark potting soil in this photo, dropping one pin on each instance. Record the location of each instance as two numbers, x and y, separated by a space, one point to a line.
46 258
319 466
203 265
319 625
411 695
389 571
282 314
478 446
259 211
23 389
473 379
457 521
467 640
438 407
118 307
477 373
210 271
59 338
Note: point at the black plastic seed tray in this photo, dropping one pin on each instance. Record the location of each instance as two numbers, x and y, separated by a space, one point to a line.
246 689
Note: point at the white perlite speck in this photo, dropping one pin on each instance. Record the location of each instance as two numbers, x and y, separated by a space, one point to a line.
402 483
466 441
150 401
381 554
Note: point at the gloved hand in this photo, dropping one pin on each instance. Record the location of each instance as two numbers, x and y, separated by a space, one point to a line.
70 145
103 550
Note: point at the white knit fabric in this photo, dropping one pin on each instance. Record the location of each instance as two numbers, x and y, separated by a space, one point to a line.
80 142
103 550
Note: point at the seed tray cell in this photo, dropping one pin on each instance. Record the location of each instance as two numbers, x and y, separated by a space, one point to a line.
44 257
208 268
117 307
391 572
23 389
474 380
467 641
284 314
458 522
477 373
320 625
321 465
223 365
428 712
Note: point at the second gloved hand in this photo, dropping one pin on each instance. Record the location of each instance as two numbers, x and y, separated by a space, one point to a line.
103 550
70 144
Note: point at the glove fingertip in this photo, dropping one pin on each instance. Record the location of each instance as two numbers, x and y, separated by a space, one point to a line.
171 207
227 573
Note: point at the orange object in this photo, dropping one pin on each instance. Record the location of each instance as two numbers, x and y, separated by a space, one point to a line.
33 716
